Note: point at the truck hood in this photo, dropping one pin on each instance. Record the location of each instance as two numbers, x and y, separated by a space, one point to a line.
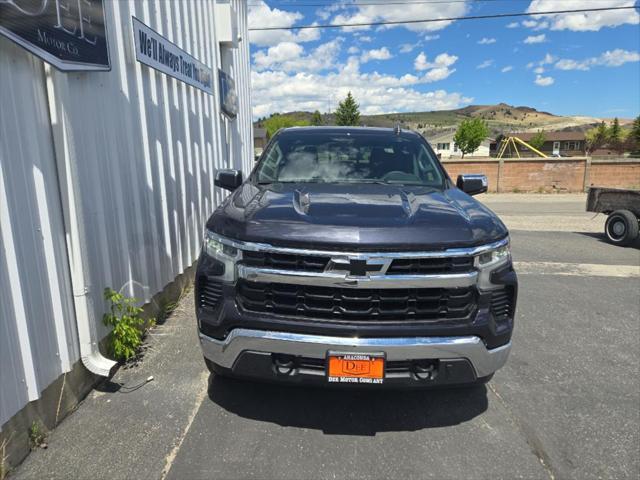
359 217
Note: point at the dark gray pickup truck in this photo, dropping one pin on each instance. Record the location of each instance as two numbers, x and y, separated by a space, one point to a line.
349 256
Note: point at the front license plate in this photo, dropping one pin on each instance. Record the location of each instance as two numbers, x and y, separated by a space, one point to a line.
355 368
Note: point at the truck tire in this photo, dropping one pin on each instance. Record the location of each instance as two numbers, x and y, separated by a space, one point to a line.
621 227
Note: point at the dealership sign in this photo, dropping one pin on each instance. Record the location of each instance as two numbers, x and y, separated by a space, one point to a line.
154 50
69 34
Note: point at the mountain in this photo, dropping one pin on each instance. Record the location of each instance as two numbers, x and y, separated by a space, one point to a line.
500 118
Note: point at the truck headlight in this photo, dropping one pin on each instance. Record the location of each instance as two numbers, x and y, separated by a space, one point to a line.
489 261
494 257
226 255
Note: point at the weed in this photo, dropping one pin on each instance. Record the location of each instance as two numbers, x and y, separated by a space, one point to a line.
4 469
37 435
127 324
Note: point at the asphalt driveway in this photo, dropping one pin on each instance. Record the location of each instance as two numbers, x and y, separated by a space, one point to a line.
567 404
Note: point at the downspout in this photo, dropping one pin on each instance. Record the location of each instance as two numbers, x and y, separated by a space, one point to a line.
65 159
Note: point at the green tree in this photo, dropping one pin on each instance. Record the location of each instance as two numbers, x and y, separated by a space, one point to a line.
597 137
316 118
616 135
276 121
470 135
537 141
348 112
634 136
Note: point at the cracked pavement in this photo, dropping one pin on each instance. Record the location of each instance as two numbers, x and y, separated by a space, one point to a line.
566 405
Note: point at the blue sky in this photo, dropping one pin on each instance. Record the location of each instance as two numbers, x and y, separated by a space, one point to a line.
576 64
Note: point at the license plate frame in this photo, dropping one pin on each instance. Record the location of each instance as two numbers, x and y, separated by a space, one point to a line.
361 368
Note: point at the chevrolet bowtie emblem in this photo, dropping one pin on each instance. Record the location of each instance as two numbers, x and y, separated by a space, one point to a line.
360 268
356 267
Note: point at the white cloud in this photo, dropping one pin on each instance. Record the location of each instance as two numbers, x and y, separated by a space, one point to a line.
538 70
610 58
543 81
529 23
513 25
536 39
262 15
506 69
353 50
485 64
585 21
399 12
376 93
428 38
365 38
408 47
422 63
376 54
486 41
289 57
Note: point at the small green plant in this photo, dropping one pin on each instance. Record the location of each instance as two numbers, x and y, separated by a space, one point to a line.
37 435
127 325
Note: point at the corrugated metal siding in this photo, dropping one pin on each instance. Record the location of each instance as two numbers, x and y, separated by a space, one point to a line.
37 328
143 148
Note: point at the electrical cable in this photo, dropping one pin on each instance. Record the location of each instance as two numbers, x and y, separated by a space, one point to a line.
447 19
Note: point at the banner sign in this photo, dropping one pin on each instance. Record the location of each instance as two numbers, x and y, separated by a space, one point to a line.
228 94
69 34
154 50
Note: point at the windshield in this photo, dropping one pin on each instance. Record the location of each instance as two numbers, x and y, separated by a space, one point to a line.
348 157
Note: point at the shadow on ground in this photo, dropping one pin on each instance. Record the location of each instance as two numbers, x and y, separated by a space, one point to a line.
601 237
344 411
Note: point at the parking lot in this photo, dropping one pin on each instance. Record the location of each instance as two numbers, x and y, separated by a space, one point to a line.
567 404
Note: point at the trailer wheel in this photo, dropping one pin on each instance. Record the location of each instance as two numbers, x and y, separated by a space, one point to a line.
621 227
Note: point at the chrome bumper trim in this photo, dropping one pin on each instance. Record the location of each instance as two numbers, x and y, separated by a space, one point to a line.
451 252
225 352
335 279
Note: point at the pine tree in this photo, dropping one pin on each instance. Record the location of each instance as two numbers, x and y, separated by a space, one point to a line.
348 112
634 136
615 135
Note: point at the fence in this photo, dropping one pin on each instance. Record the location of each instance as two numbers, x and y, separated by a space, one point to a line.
572 174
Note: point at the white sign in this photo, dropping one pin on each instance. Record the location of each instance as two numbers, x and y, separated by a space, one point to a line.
154 50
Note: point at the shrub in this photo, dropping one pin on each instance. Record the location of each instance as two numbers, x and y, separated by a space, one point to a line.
127 325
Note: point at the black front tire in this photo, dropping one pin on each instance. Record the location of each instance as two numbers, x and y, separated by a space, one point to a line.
621 227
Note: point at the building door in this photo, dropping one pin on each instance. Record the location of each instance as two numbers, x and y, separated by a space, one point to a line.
556 148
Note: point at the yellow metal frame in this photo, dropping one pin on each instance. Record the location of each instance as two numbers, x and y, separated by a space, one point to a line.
513 141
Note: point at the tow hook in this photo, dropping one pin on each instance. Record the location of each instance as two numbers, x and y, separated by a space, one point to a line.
284 364
425 370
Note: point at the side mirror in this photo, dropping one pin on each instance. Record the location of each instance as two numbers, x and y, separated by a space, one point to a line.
472 184
228 179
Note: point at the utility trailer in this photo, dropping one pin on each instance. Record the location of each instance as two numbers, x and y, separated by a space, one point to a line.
623 210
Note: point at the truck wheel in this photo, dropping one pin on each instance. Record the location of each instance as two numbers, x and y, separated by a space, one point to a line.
621 227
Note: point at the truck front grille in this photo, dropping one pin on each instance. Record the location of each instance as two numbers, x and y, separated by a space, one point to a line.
285 261
416 266
346 304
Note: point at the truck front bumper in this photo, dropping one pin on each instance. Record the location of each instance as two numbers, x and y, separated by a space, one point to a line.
255 354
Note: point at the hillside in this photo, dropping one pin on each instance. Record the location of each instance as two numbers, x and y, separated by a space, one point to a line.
501 118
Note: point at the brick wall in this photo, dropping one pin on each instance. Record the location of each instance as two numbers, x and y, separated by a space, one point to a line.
535 175
615 174
490 169
550 175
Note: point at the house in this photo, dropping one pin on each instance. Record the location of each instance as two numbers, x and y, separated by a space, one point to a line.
445 147
559 143
259 140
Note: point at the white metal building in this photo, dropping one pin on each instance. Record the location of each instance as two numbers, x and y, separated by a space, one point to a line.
106 180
